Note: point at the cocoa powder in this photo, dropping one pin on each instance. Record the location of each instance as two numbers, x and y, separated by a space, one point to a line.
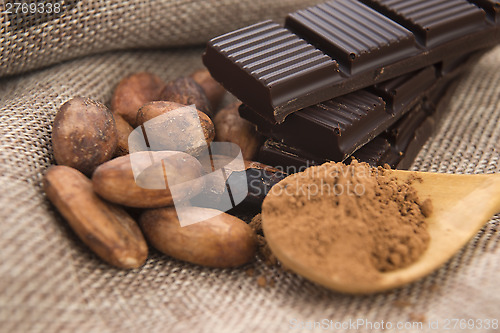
263 250
348 221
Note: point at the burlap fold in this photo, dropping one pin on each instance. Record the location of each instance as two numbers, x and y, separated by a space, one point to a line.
84 27
50 282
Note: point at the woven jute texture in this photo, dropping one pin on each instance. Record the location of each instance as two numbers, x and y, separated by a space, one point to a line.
83 27
49 281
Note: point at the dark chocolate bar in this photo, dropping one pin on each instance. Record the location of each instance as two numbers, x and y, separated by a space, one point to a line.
492 8
402 132
384 149
276 73
448 66
286 158
450 70
403 90
433 22
422 134
377 152
334 129
338 127
401 143
266 62
259 182
398 146
356 36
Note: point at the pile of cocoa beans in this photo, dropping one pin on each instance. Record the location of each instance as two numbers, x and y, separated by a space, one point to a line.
93 185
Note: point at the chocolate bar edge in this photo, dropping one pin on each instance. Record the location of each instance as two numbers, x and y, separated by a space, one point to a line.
276 113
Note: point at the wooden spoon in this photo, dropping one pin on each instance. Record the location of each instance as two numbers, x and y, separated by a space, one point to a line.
462 205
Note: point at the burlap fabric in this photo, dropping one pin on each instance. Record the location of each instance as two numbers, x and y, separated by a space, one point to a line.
89 27
50 282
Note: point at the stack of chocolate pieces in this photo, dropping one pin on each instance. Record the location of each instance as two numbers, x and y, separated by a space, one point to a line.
368 79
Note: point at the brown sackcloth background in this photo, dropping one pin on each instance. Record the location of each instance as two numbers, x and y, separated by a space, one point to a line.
50 282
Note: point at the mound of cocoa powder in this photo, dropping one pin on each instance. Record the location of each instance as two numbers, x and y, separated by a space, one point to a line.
351 221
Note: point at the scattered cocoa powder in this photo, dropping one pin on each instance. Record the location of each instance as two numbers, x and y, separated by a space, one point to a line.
416 317
250 272
262 281
434 288
347 221
401 303
263 250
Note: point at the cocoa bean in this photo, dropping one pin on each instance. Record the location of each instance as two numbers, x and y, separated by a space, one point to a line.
230 127
123 130
106 228
186 91
133 92
83 134
219 241
175 130
160 171
213 90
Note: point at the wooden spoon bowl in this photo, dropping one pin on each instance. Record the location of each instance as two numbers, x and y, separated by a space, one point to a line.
462 205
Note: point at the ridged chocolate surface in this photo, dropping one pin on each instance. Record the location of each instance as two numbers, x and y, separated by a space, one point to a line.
402 132
379 151
333 129
336 128
287 158
343 112
401 90
269 60
433 21
374 151
492 8
397 146
276 73
271 53
353 34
